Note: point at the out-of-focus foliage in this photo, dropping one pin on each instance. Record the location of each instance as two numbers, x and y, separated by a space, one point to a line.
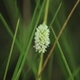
69 40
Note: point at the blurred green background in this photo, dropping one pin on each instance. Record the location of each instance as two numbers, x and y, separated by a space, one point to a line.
69 40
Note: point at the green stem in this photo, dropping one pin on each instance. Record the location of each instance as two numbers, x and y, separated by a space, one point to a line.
40 65
10 32
45 21
75 73
11 50
63 57
46 11
55 15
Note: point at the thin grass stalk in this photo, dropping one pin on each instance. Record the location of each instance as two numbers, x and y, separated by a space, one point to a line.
10 32
51 59
45 21
75 73
55 15
40 65
11 50
46 11
63 57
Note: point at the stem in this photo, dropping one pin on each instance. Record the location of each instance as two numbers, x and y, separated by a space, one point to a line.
9 58
63 57
10 32
40 65
75 73
56 13
45 21
46 11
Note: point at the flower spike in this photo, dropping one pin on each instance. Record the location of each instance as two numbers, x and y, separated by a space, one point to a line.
42 40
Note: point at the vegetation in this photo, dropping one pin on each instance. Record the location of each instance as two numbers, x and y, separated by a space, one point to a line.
19 20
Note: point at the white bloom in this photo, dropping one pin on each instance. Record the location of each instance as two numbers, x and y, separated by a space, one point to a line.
42 40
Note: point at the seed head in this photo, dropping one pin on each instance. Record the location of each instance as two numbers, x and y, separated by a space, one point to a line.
42 40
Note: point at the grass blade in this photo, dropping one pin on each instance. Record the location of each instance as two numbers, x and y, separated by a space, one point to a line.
10 32
63 57
11 50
